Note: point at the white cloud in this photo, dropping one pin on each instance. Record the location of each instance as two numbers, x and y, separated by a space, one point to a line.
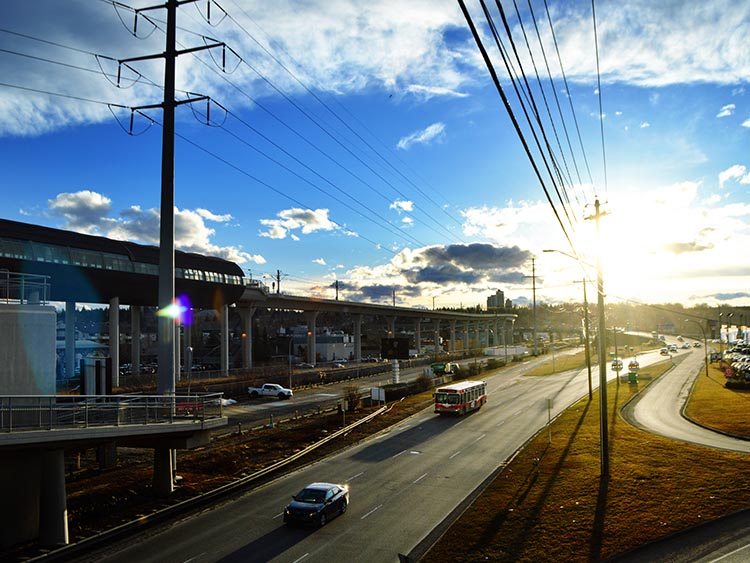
645 125
320 261
430 133
402 205
735 172
206 214
427 92
746 123
407 220
726 110
307 221
86 212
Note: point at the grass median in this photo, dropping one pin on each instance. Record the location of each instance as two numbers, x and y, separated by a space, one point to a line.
550 504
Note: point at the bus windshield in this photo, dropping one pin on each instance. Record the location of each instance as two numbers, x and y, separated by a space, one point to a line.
447 398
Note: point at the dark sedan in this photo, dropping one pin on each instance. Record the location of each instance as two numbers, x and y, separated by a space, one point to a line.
316 504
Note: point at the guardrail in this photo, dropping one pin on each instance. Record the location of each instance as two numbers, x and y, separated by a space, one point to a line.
24 288
22 413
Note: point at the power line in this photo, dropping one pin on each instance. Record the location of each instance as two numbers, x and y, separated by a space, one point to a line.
509 110
570 95
599 88
533 103
311 92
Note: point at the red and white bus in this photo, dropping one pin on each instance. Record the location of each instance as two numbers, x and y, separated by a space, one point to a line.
460 397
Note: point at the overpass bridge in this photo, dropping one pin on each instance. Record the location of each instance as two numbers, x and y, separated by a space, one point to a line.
36 426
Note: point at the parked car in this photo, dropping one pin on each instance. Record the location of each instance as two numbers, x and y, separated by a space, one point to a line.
270 390
316 504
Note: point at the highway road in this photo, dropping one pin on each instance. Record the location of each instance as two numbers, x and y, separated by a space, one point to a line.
406 480
403 483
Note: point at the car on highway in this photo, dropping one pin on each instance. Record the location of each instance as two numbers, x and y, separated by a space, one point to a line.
664 352
617 365
316 504
305 365
672 347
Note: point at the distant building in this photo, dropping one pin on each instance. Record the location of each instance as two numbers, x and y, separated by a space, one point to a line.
496 302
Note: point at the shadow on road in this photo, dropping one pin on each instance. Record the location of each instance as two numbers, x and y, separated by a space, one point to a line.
523 490
269 546
408 439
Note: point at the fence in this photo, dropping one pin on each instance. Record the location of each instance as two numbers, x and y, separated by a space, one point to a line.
24 288
47 412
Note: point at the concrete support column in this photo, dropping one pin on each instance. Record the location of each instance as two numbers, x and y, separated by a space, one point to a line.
135 339
163 483
358 337
495 334
311 316
224 338
246 315
70 339
436 324
466 336
487 334
53 509
452 344
114 339
418 335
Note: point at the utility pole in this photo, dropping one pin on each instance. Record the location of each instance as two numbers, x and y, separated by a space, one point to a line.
166 320
533 293
165 327
337 290
278 281
603 427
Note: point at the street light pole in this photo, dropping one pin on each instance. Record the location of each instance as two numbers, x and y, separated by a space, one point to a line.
705 343
585 319
291 342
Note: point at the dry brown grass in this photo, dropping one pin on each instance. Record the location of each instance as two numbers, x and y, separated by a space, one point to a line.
560 363
551 505
717 407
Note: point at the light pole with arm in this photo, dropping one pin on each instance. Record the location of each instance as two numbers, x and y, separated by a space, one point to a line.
585 319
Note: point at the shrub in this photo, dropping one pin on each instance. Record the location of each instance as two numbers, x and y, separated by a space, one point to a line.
423 383
352 396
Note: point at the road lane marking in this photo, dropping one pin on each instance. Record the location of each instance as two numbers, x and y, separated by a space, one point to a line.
194 558
398 454
729 554
300 558
279 514
368 514
455 454
475 441
353 478
420 478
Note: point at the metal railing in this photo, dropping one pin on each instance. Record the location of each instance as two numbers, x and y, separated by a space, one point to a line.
19 413
24 288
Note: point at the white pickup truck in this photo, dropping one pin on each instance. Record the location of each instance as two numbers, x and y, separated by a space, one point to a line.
269 390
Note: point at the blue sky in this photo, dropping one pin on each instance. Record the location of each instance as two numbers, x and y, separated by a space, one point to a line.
372 147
